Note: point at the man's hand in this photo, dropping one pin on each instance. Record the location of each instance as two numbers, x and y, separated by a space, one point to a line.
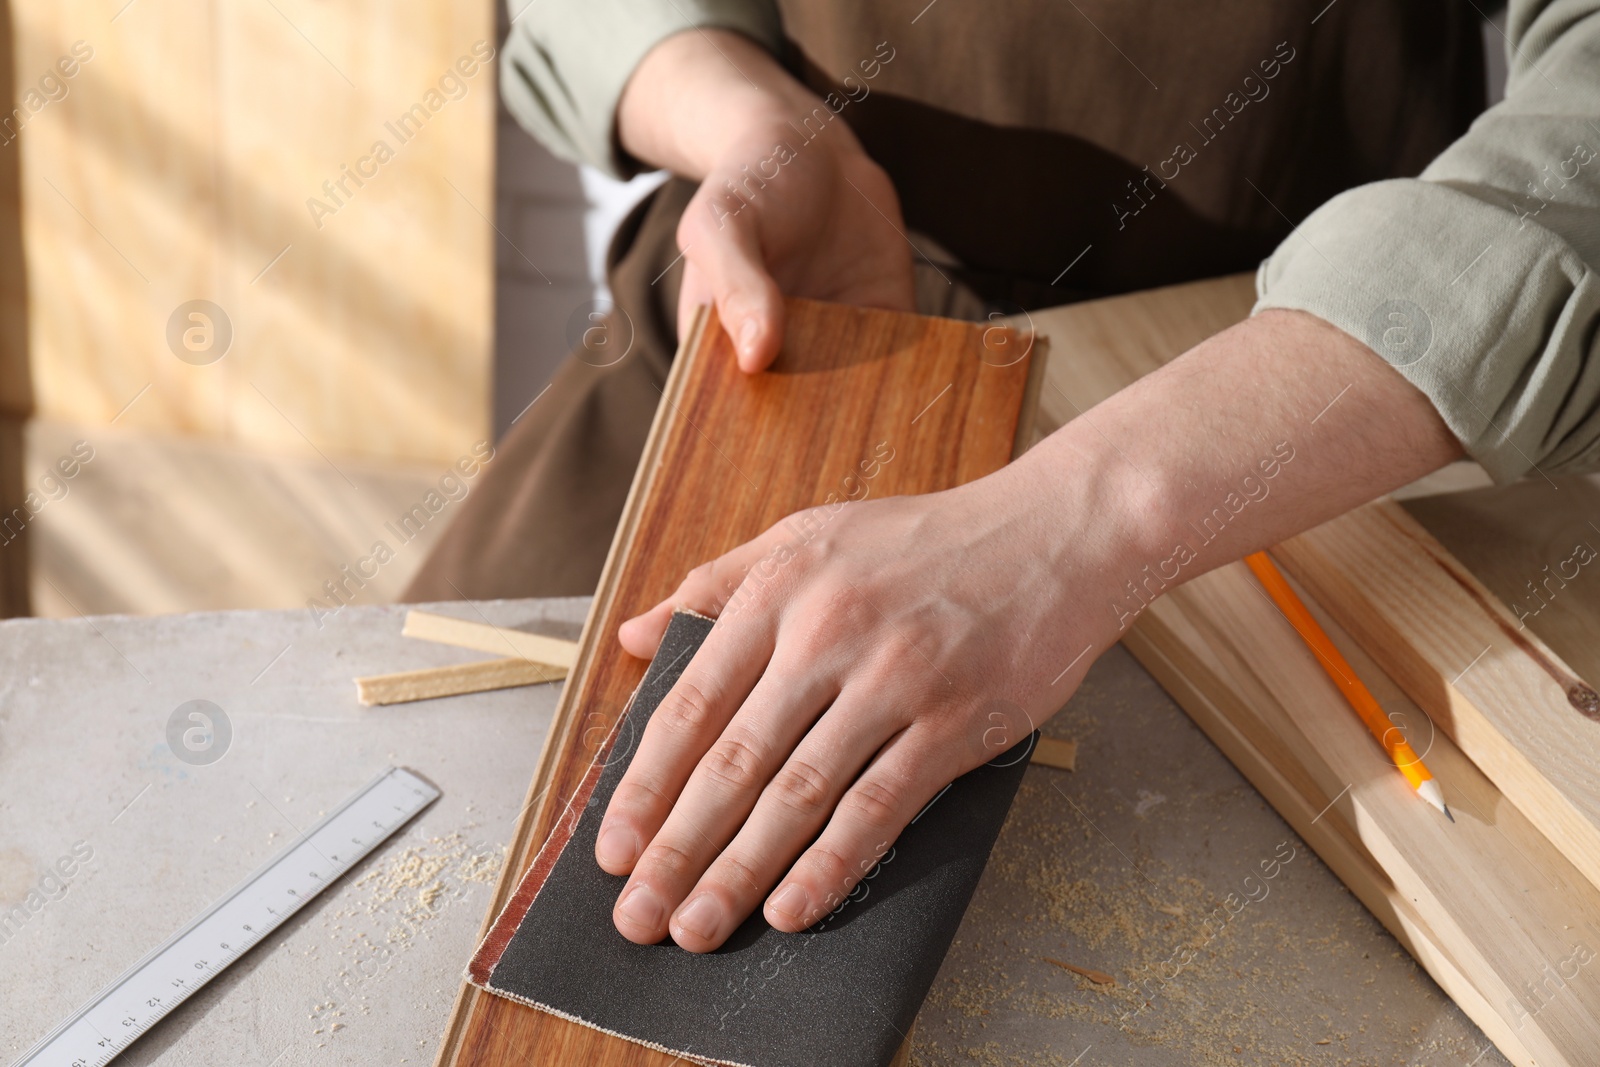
788 205
850 676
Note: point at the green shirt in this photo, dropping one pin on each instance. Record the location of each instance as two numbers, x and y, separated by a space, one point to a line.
1475 279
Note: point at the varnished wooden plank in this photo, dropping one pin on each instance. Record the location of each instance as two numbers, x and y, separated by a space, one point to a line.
861 403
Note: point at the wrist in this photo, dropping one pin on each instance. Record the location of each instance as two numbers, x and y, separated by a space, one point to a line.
697 97
1101 523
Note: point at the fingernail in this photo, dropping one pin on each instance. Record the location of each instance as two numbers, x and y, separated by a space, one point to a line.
642 908
747 336
792 900
702 917
617 847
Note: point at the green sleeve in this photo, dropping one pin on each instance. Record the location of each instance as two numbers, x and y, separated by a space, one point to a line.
565 64
1477 280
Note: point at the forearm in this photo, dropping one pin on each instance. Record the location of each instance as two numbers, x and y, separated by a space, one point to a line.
1265 430
697 93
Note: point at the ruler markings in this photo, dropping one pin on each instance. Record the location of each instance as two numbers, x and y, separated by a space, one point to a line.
173 971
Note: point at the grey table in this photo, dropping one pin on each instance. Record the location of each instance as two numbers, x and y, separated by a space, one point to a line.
1118 868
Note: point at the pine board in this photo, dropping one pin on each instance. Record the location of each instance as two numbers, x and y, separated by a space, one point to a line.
728 456
480 636
1515 536
1485 909
1495 687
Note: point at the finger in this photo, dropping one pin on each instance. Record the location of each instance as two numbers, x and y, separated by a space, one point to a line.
894 788
726 250
721 793
685 724
791 808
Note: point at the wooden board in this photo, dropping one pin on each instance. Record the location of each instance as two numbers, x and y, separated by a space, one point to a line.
1521 542
464 633
429 683
728 456
1484 908
1499 691
184 158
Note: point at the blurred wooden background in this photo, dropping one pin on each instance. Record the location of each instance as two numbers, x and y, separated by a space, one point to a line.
160 153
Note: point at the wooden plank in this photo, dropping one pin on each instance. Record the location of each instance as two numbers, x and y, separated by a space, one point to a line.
1534 544
1500 692
1491 887
729 455
185 158
428 683
481 637
1481 908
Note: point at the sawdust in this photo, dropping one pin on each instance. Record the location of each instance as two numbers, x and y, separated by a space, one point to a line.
1246 991
389 908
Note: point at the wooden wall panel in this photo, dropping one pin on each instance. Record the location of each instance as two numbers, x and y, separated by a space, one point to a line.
179 164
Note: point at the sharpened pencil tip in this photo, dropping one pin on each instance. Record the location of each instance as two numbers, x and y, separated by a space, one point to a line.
1430 791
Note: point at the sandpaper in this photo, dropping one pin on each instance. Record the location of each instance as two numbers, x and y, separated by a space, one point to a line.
842 993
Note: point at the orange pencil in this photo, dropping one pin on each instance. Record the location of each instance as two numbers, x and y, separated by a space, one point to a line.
1337 668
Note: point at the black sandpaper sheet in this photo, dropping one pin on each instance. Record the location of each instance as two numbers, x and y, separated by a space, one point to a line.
842 993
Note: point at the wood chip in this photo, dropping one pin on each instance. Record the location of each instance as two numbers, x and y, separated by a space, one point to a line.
1097 977
1050 752
405 686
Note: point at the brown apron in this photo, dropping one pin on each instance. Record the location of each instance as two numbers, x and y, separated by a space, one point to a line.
1058 151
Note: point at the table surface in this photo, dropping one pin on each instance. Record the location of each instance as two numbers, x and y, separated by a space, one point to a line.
1125 866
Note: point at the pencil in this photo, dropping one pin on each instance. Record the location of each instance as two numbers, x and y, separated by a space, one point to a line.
1344 676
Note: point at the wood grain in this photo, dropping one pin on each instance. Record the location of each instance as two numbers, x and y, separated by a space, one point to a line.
480 636
1485 905
1523 541
729 455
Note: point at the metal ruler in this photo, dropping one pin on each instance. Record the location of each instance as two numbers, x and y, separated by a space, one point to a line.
190 958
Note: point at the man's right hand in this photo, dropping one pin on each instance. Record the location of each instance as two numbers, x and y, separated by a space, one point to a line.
808 213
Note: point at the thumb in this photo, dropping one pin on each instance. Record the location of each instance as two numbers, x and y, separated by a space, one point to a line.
748 301
751 309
